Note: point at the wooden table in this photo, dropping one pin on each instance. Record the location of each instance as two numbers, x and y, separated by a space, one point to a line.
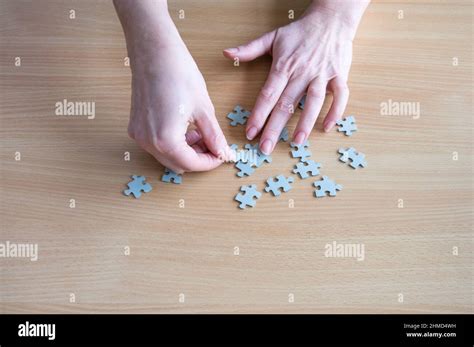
417 258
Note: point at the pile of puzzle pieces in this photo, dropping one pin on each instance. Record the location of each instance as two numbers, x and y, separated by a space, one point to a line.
251 158
305 168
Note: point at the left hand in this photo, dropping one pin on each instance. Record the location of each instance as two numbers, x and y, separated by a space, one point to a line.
310 56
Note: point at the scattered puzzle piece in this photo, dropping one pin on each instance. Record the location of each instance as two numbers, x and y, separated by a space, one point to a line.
260 157
302 102
300 151
238 116
251 194
326 186
281 182
246 169
357 158
171 176
305 167
137 186
347 125
284 135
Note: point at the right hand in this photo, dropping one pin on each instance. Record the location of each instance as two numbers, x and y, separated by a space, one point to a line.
164 102
168 93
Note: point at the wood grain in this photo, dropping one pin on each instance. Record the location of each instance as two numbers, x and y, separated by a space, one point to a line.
190 250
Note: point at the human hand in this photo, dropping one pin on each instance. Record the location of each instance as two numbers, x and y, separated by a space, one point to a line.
310 55
169 93
164 103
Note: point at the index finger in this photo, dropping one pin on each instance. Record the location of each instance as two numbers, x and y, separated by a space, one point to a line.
266 101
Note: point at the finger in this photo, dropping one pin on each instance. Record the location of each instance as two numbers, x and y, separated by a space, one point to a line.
315 96
184 158
266 101
284 109
340 93
193 136
190 160
200 147
211 132
253 49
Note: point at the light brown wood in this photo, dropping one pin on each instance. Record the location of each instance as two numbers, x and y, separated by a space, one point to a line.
190 250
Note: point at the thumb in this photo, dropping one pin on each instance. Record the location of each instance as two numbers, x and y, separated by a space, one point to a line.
253 49
212 134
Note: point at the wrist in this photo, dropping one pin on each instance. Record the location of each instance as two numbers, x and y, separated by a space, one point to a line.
151 31
148 30
153 38
346 13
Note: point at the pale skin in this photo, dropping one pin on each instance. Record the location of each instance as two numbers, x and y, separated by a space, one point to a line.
312 56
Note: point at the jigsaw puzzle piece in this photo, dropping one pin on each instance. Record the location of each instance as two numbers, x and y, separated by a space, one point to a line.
284 135
245 169
357 159
137 186
302 102
278 184
238 116
300 151
260 157
347 125
249 196
325 185
171 176
306 168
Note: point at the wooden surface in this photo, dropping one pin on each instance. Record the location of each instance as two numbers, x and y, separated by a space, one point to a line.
190 250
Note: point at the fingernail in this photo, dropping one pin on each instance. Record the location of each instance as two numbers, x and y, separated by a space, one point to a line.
266 146
251 133
329 126
231 50
299 138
